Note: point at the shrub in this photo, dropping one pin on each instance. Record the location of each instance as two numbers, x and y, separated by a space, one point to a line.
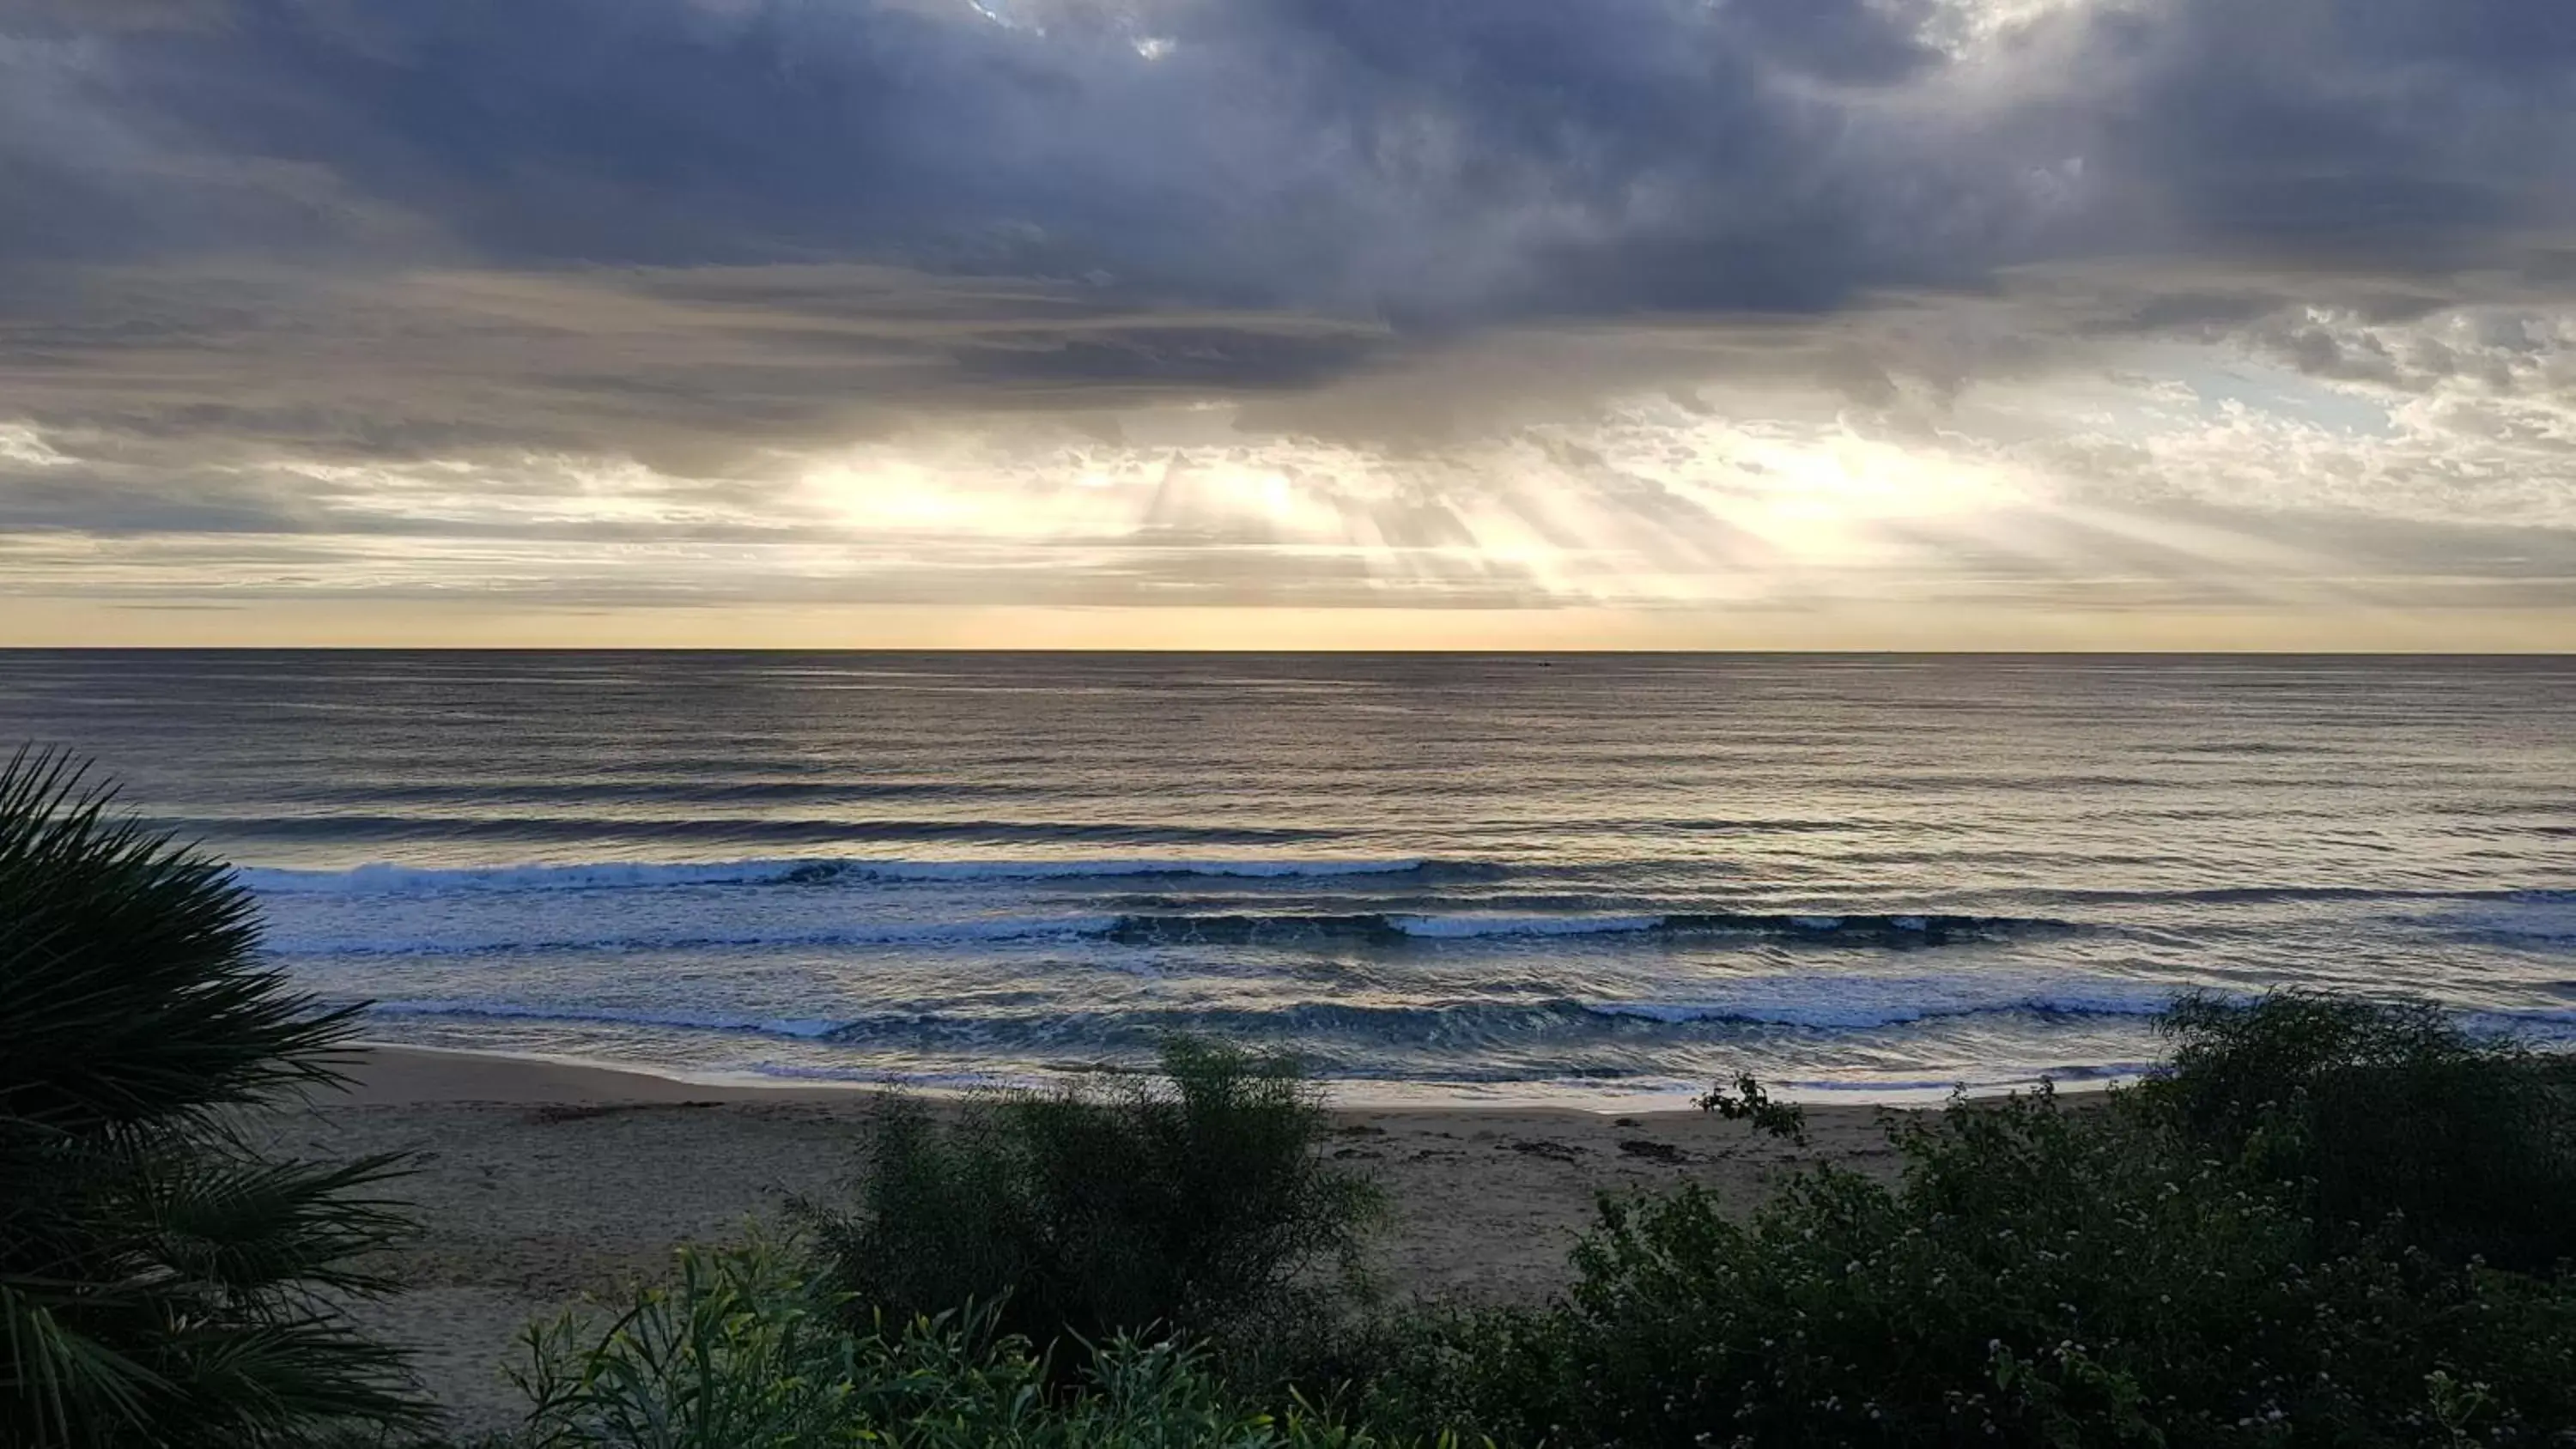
161 1282
1751 1102
749 1349
2381 1112
2039 1276
1197 1201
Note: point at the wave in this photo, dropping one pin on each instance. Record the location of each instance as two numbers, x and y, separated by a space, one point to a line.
1855 1005
389 879
1863 1005
2266 894
2530 919
1470 926
1394 928
995 930
607 1015
664 790
823 830
385 878
1381 929
1850 1004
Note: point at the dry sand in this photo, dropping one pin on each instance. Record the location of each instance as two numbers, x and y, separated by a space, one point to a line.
543 1182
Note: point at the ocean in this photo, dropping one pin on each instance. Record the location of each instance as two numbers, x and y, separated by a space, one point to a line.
1591 880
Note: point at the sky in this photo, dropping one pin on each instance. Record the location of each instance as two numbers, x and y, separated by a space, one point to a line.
1875 324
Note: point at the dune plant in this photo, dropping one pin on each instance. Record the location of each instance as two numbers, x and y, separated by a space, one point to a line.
162 1282
1196 1200
2039 1277
2333 1221
749 1348
2382 1115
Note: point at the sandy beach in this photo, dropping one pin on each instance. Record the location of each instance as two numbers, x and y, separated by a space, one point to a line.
543 1182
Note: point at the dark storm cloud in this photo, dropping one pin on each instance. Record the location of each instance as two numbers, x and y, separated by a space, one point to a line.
2391 133
1451 158
679 228
1441 159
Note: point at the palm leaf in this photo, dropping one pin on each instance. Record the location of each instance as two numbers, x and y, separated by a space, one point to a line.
162 1282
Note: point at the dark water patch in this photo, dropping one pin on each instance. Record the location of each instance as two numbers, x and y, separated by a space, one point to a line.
384 879
561 830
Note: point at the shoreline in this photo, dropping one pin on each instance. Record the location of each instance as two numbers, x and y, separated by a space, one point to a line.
403 1072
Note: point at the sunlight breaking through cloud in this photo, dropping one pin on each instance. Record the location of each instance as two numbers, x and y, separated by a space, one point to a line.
2119 317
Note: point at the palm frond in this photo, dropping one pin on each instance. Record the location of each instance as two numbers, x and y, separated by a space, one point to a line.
241 1224
161 1281
135 988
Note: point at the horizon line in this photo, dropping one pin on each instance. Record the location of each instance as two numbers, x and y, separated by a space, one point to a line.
1154 650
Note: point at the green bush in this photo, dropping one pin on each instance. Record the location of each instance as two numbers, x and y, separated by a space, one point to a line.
2041 1275
751 1349
2383 1114
160 1281
1198 1201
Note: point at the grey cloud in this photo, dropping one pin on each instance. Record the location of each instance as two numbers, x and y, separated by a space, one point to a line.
690 370
75 498
107 499
863 185
1152 357
1435 160
707 236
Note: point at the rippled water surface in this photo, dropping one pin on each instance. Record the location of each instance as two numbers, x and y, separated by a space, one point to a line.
1563 878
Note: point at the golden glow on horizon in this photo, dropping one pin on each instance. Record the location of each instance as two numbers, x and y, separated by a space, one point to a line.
1858 629
1708 519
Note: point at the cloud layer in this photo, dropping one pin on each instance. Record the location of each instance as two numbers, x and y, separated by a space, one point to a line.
1727 307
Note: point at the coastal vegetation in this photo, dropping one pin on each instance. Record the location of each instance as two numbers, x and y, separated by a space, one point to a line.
2203 1260
755 1346
163 1281
2328 1221
2133 1269
1194 1202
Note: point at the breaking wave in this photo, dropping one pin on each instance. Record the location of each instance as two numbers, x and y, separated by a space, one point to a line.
1381 929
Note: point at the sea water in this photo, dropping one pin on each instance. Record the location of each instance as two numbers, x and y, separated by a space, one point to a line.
1588 879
